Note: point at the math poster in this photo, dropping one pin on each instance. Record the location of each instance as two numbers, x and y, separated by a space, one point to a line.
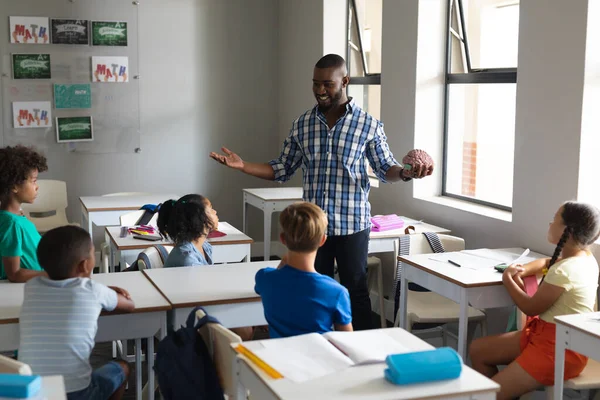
110 69
74 129
69 31
29 30
32 114
109 33
73 96
31 66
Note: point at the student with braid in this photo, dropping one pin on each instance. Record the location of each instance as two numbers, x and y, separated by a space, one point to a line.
187 222
568 287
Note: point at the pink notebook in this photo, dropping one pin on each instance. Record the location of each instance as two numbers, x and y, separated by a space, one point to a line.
386 222
531 285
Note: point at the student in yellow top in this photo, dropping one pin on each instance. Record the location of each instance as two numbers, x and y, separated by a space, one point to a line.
568 287
19 168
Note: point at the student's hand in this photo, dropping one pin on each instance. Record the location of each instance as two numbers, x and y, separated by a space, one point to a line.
121 291
284 260
512 273
229 159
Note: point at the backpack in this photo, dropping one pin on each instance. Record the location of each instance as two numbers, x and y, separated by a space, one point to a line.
184 367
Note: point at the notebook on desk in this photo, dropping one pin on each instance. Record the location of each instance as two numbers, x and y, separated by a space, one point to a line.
310 356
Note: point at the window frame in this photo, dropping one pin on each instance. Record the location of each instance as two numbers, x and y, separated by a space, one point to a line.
472 76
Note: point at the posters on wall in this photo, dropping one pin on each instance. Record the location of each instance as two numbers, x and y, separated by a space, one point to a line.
32 114
69 31
105 33
31 66
74 129
72 96
110 69
29 30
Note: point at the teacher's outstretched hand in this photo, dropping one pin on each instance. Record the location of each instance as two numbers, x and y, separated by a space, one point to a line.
230 159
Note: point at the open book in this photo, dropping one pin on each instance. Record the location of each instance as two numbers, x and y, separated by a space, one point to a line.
304 357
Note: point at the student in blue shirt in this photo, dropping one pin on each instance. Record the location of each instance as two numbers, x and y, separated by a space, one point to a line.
187 222
296 298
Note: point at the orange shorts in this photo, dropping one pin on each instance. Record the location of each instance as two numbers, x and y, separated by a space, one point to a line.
538 340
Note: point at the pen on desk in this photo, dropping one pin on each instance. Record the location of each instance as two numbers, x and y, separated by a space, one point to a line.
454 263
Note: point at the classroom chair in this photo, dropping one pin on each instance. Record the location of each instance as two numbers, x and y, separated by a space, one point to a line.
49 209
11 366
218 339
432 308
153 257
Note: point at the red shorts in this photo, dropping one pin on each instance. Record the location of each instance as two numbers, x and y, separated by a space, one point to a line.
538 340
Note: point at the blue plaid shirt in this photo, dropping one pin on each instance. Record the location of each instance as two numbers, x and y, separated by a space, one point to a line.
333 164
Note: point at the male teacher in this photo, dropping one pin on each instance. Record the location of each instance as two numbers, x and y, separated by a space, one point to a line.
330 142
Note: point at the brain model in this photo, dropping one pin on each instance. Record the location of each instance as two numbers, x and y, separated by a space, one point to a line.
417 157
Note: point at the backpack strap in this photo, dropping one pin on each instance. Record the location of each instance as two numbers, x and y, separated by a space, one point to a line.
162 252
404 250
434 242
204 320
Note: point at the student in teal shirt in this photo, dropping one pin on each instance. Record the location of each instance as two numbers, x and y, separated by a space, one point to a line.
19 169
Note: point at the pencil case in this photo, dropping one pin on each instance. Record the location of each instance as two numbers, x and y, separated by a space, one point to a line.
19 386
386 222
423 366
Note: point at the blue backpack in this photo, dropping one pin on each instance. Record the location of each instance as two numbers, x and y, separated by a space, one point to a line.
184 367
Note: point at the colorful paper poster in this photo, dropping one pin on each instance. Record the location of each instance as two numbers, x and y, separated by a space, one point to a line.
110 69
74 129
29 30
32 114
31 66
106 33
69 31
73 96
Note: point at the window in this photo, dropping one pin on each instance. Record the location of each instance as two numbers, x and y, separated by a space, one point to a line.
363 54
481 76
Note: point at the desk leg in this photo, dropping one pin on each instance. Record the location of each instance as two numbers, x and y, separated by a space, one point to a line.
562 342
268 212
463 323
403 309
86 221
138 369
245 215
248 250
240 390
150 365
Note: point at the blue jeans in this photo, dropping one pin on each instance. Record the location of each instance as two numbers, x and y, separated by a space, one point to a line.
105 381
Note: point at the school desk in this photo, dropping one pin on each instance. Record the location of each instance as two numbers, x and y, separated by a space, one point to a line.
577 332
480 288
53 388
106 210
225 291
233 247
360 382
148 318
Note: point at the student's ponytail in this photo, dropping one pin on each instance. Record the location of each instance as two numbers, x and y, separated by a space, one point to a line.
165 212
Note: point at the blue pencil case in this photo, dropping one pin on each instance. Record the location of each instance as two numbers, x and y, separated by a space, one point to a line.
423 366
19 386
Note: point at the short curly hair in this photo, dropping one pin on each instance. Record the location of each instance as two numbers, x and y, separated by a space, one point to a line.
16 163
185 220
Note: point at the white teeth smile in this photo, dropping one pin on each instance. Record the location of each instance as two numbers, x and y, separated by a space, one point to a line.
322 97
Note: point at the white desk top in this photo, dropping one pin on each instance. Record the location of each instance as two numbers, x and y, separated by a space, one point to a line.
144 294
587 323
53 388
368 382
277 194
419 228
234 236
118 203
464 277
207 285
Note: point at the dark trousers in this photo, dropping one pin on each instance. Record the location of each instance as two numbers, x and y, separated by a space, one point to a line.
350 252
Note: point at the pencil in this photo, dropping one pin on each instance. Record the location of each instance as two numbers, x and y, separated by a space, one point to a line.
259 363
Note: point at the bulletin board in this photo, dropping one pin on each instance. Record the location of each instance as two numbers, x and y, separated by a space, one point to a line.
115 106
